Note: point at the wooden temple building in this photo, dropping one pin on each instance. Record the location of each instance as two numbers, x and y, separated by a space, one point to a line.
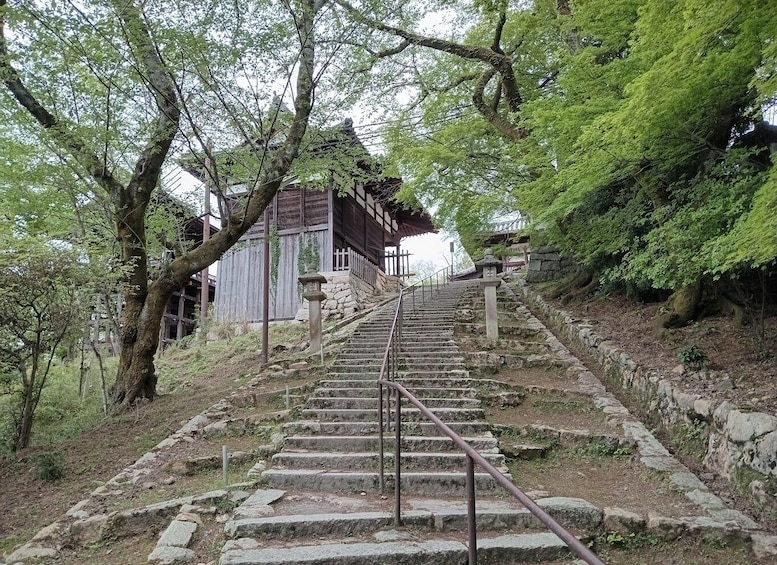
357 231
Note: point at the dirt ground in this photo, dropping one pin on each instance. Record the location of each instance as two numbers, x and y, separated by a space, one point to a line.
28 503
738 357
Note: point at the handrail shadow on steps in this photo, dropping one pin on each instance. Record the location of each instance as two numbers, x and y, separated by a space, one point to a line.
386 379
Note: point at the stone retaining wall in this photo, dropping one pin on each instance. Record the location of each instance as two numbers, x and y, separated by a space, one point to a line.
346 294
545 264
739 445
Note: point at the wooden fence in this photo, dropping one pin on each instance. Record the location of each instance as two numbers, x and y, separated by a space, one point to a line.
360 266
397 266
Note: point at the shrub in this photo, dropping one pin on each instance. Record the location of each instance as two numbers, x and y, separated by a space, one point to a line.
49 465
692 357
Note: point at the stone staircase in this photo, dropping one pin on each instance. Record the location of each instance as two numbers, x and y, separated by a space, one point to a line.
332 510
334 448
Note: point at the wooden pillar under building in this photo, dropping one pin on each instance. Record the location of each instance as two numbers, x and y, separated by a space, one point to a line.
179 325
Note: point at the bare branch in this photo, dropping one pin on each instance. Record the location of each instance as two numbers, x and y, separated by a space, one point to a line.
488 112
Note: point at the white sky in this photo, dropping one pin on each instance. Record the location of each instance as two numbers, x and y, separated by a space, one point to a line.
434 247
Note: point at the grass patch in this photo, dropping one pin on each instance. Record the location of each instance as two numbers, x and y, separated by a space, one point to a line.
554 405
690 438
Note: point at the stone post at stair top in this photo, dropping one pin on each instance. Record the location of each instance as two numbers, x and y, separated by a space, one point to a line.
489 283
311 284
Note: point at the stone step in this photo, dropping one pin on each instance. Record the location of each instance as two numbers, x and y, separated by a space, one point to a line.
367 389
438 366
423 373
368 403
484 444
441 483
369 461
492 517
452 353
304 427
340 368
501 550
408 414
333 375
428 379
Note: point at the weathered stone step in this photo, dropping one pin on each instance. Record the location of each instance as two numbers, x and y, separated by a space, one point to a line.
437 366
500 550
424 483
367 403
304 427
369 461
424 373
408 414
367 389
348 525
340 368
439 354
484 444
351 376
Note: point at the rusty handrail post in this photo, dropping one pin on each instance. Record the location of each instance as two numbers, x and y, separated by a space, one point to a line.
382 478
397 460
566 536
471 515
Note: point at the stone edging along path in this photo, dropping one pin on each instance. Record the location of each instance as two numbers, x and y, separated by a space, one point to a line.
737 441
652 453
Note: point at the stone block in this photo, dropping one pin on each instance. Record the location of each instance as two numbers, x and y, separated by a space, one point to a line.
178 534
668 529
572 512
744 426
764 545
171 555
622 521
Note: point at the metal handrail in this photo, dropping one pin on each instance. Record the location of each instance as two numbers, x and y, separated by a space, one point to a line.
390 356
388 369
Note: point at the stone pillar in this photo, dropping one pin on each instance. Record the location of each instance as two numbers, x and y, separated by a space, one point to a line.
311 283
489 283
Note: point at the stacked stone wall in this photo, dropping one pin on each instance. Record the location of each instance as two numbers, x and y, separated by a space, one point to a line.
546 264
346 294
740 445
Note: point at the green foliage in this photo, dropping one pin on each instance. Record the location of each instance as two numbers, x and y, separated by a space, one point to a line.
627 541
275 257
40 311
308 259
692 356
49 465
639 158
691 438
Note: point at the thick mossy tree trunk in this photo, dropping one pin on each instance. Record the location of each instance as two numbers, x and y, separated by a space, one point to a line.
681 308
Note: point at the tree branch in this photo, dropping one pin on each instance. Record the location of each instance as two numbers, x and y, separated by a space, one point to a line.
488 112
59 131
493 56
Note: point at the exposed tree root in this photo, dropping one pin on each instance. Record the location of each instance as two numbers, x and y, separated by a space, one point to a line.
579 280
680 309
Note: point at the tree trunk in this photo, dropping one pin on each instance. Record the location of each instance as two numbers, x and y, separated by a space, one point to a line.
681 307
29 402
136 378
25 426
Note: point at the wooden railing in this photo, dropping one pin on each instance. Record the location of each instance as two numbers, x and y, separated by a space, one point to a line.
509 226
396 265
357 264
